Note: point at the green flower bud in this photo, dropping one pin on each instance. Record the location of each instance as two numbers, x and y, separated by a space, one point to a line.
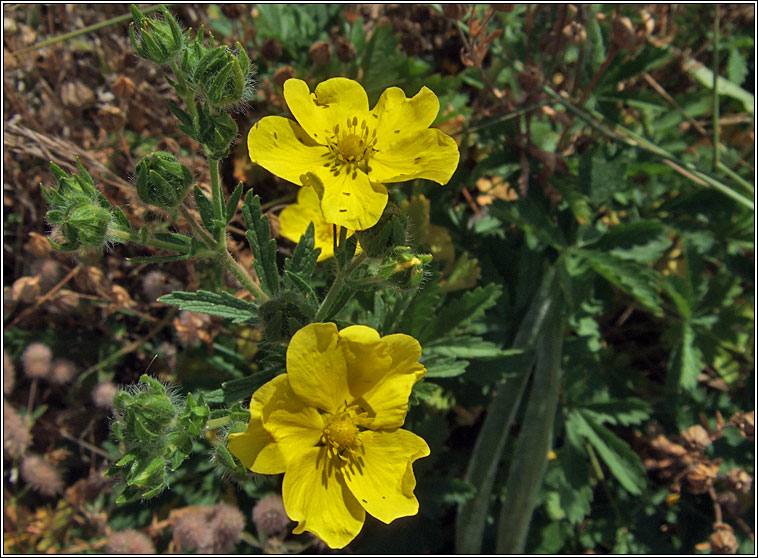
388 233
156 40
88 224
404 268
222 75
162 180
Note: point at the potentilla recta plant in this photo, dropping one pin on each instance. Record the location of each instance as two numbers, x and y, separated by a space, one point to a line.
327 405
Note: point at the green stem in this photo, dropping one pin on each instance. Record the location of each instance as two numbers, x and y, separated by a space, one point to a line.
218 198
223 256
217 422
749 188
84 30
125 236
336 287
716 90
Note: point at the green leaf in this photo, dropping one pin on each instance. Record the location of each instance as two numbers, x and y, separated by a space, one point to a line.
231 204
464 346
205 207
263 246
736 67
304 258
459 311
642 241
216 304
635 279
622 462
725 87
619 411
242 388
686 361
443 366
531 218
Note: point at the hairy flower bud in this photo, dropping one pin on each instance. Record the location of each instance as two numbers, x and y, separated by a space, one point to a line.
88 224
162 180
224 76
155 40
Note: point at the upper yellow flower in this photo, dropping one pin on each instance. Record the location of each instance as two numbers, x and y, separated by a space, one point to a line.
295 218
348 152
332 423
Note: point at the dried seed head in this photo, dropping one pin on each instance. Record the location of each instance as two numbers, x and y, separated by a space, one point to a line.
9 301
41 476
64 301
190 327
723 540
345 50
746 423
700 477
269 515
729 503
739 481
530 79
623 33
271 49
696 438
575 33
320 52
155 284
103 394
27 289
9 374
49 271
16 435
36 360
37 245
129 542
89 279
193 531
283 74
227 525
454 11
63 371
123 87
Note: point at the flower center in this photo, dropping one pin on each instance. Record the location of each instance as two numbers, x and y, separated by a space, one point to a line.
341 435
341 432
351 145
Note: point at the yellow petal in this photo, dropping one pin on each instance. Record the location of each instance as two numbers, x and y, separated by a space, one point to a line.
427 154
365 356
294 425
317 498
256 450
333 102
397 115
387 397
283 148
378 478
316 367
348 199
295 218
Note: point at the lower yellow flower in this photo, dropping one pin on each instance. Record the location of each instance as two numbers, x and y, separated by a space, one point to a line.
332 423
295 218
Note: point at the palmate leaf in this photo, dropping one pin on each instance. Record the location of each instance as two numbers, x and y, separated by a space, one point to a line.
642 241
621 461
443 366
619 411
464 346
216 304
303 259
639 281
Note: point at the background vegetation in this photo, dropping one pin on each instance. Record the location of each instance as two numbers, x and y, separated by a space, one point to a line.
591 297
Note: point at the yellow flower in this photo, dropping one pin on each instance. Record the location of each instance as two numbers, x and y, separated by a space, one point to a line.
332 423
295 218
348 152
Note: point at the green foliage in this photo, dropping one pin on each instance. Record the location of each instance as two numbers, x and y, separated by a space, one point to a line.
216 304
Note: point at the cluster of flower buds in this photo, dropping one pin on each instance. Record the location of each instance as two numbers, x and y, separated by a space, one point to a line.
404 268
215 74
162 181
156 428
84 215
